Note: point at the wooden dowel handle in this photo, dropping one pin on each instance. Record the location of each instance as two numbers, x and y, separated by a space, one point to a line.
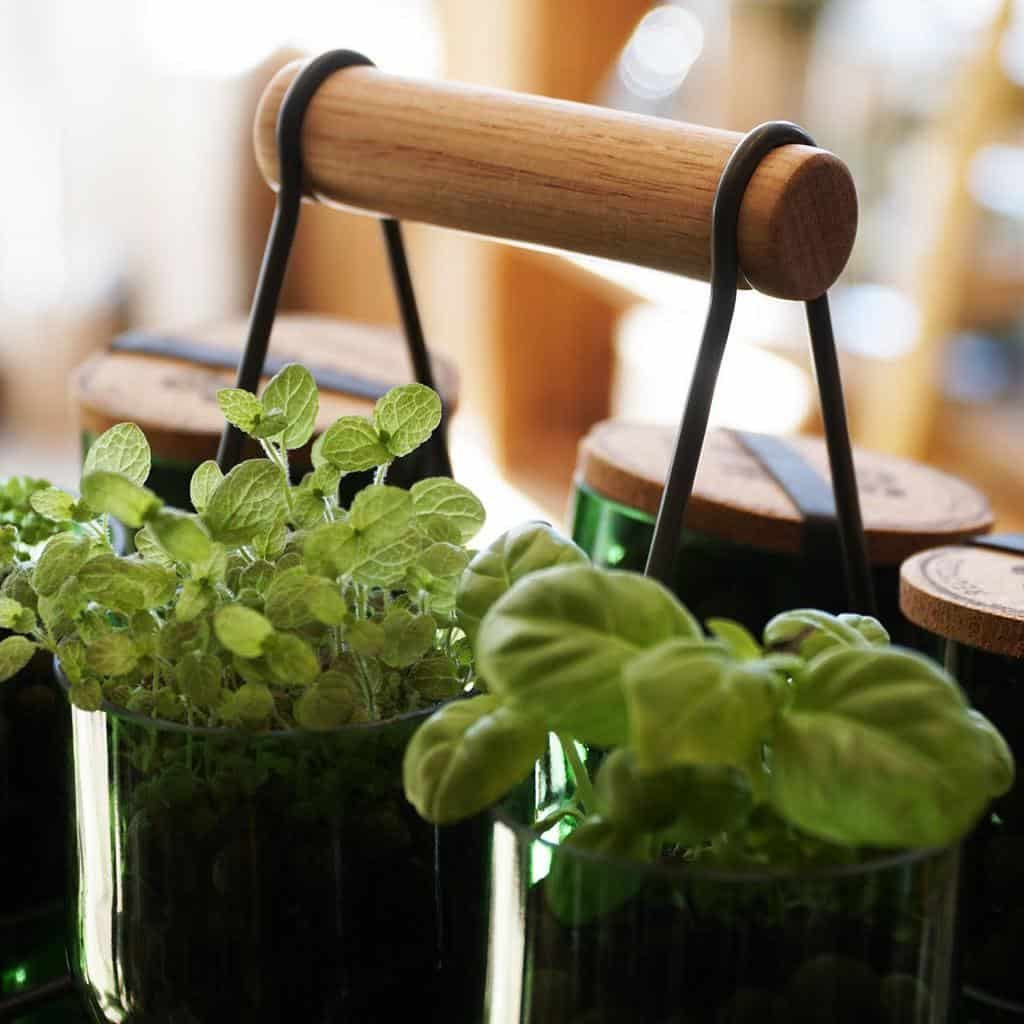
567 175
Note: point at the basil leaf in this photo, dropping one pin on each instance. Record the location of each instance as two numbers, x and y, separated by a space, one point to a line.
15 653
807 632
692 704
738 639
293 391
868 627
181 536
556 644
687 803
116 495
406 416
878 748
112 654
583 889
62 557
467 755
205 480
122 449
352 444
444 498
248 501
240 408
517 553
241 630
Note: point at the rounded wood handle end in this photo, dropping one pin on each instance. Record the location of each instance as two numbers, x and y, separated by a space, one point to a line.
564 175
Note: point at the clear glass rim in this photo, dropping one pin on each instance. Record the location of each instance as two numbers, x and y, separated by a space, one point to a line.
686 872
223 732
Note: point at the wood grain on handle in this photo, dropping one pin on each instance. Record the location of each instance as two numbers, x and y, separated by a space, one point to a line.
565 175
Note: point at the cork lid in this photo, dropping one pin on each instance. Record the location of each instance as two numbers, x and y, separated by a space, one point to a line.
166 381
973 595
906 507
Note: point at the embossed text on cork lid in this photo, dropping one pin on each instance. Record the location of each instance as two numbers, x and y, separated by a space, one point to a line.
972 595
906 507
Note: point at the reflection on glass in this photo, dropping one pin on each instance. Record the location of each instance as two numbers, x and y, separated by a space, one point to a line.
607 941
266 878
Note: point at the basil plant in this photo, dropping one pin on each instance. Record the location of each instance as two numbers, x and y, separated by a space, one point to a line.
810 745
270 606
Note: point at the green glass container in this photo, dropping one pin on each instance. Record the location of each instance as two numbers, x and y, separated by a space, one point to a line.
228 876
740 556
972 601
868 943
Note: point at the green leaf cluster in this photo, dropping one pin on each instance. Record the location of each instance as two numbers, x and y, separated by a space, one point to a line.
835 739
270 606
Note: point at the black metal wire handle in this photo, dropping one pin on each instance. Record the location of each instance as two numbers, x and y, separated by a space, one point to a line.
278 249
725 270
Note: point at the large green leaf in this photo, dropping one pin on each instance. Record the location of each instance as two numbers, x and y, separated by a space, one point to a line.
688 803
517 553
62 557
181 536
293 391
556 644
580 889
126 585
406 416
121 449
467 755
879 748
807 632
15 654
693 703
248 500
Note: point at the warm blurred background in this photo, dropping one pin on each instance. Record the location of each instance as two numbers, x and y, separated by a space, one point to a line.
129 196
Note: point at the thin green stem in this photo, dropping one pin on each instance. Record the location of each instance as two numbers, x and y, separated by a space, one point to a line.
381 475
584 788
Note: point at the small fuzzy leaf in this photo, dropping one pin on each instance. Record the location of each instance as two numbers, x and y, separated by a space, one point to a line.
122 449
380 513
366 638
252 703
62 557
407 637
248 501
54 504
195 599
406 416
182 536
286 604
270 425
15 654
205 480
126 585
291 660
435 677
15 616
199 677
112 654
352 444
293 390
322 707
120 497
87 695
151 549
439 496
325 603
240 408
241 630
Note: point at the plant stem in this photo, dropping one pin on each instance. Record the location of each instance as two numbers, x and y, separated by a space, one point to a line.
381 474
584 787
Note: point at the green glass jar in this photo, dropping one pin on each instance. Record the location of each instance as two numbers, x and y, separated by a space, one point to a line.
231 876
972 600
864 943
167 382
741 555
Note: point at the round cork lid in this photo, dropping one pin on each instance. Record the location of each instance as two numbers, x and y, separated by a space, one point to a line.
906 507
972 595
166 381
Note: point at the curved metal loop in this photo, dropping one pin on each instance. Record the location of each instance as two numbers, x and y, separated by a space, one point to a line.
725 271
279 244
